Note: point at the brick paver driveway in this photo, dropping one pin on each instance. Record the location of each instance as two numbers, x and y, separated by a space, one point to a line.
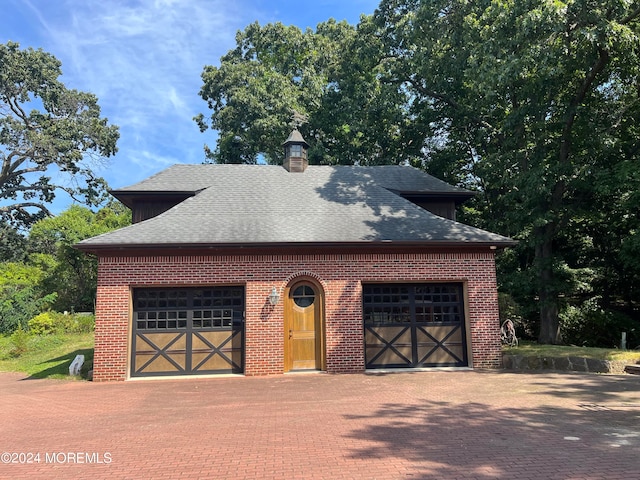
465 424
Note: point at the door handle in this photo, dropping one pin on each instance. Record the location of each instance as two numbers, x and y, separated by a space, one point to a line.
290 333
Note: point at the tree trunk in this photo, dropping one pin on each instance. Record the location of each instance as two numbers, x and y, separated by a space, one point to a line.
549 320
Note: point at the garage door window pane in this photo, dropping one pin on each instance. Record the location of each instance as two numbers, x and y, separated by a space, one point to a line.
160 320
422 303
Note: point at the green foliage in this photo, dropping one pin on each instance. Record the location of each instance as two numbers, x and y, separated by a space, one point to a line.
19 274
42 324
274 72
54 322
19 304
325 82
590 325
54 275
13 245
20 295
80 323
46 127
19 342
630 257
535 105
67 271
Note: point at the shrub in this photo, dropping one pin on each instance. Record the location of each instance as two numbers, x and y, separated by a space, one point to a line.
18 305
589 325
43 323
79 323
54 322
19 341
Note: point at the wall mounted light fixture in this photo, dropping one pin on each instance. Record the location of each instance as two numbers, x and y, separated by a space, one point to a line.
274 297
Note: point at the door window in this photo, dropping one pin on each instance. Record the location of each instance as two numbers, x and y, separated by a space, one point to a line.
303 296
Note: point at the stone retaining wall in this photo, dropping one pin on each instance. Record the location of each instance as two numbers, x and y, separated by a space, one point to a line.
573 364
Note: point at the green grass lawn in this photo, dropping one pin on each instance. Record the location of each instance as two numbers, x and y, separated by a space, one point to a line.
47 356
531 349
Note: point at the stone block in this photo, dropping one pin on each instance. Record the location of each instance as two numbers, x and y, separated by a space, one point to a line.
597 366
577 364
562 363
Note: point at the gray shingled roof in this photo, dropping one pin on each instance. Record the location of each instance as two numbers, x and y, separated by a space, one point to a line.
248 204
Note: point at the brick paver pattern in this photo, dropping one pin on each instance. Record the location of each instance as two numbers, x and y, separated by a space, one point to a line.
421 425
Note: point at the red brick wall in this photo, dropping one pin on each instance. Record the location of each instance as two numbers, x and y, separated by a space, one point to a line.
340 276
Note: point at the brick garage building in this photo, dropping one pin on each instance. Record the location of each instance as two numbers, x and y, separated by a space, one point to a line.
261 270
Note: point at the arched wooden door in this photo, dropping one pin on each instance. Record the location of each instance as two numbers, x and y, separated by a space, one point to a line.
304 327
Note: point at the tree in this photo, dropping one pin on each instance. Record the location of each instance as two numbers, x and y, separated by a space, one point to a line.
324 82
540 98
51 273
12 244
69 273
274 74
361 119
20 295
534 104
49 135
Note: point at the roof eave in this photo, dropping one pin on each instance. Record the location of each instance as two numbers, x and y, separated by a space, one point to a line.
127 196
287 247
457 197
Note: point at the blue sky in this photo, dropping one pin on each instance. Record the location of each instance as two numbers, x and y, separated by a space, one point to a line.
143 59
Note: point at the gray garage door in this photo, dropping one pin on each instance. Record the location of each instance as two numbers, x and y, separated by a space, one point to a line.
187 331
414 325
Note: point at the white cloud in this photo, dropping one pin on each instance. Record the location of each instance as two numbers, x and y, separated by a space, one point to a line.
143 59
139 53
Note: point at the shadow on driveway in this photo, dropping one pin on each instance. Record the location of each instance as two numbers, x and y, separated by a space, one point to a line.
462 424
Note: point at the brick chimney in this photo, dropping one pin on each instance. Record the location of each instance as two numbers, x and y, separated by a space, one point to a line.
295 153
